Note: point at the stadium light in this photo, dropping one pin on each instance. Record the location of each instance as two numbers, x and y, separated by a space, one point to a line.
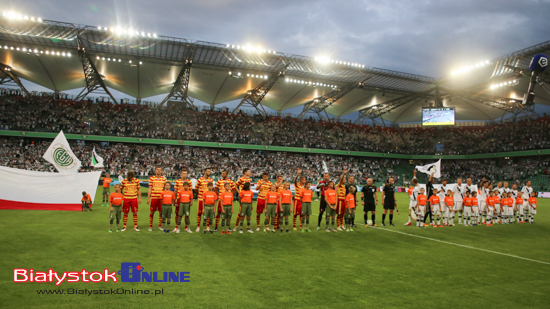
513 82
37 51
130 32
251 49
471 67
12 15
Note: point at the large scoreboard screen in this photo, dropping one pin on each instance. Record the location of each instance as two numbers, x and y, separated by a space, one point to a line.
438 116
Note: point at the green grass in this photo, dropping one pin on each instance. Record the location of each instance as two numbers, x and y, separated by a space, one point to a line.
368 267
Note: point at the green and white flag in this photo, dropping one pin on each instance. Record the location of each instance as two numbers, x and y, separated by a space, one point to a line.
61 156
97 161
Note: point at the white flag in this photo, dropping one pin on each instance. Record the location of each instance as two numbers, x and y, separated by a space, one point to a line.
97 161
434 168
61 156
325 168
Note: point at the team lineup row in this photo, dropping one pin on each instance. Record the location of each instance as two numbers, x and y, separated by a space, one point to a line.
278 203
486 205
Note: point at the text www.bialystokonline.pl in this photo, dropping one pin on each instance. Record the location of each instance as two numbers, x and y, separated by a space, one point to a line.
89 292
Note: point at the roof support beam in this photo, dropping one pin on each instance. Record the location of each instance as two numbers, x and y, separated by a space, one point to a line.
93 79
255 96
376 111
180 89
320 104
7 76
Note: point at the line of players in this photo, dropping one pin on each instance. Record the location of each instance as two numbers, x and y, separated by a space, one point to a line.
486 205
275 200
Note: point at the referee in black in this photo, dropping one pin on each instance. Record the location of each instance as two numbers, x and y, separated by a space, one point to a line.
388 200
370 200
351 183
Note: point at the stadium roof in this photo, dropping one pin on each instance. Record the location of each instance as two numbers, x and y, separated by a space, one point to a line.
143 65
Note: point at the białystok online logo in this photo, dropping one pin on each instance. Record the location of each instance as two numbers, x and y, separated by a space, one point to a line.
129 272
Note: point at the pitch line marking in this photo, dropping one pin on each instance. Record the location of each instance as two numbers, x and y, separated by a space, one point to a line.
464 246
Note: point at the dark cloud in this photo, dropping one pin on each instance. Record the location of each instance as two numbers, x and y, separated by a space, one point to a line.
422 37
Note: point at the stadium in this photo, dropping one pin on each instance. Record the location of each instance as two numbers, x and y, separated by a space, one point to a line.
201 141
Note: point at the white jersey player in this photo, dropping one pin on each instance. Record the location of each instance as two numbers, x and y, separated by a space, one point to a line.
514 192
526 192
459 193
483 194
442 193
532 202
520 207
413 194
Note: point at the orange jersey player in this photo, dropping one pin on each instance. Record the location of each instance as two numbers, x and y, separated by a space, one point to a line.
468 212
185 201
286 205
239 186
520 206
202 187
272 199
177 188
244 179
532 201
156 185
299 184
263 187
279 187
341 208
435 206
226 198
168 198
245 208
106 183
331 200
449 208
115 203
421 201
132 199
210 199
86 201
490 206
220 188
306 195
350 208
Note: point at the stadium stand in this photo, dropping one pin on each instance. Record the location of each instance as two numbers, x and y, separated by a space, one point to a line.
26 153
44 114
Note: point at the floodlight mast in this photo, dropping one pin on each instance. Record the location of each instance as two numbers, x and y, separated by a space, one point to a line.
180 90
7 76
320 104
255 96
93 79
376 111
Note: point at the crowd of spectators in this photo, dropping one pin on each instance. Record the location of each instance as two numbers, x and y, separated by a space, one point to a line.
26 153
43 113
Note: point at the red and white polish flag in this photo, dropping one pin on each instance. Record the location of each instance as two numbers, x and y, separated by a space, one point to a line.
23 189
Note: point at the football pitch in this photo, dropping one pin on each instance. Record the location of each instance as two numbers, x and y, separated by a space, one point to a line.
504 266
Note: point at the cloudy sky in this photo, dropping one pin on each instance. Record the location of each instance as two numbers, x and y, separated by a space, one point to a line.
422 37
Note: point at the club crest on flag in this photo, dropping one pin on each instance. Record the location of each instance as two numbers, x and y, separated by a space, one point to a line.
61 156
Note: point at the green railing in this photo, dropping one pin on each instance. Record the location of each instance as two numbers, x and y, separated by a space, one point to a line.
155 141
